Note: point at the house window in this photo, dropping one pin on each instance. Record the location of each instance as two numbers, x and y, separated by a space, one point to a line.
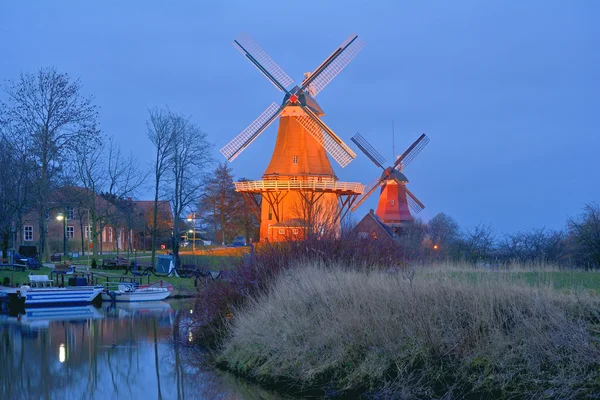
295 160
282 231
295 231
28 233
294 179
70 232
363 235
110 234
320 179
86 231
70 213
392 202
374 235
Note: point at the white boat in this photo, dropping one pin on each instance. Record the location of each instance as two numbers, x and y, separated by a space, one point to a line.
130 292
40 292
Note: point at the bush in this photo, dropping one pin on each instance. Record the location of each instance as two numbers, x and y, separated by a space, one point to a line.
256 272
397 336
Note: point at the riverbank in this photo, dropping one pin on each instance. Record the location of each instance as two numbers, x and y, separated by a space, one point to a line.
182 287
427 334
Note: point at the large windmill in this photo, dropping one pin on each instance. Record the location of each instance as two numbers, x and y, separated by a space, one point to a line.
299 192
395 200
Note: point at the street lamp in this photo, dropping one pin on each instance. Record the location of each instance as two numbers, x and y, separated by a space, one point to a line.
190 218
63 217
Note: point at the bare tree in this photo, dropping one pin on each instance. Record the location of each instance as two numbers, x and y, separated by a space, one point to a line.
186 174
478 243
49 112
160 131
104 171
585 234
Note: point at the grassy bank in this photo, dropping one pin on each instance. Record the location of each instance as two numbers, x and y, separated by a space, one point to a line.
418 335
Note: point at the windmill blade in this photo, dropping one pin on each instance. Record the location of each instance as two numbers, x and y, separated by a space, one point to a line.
369 150
369 189
413 202
233 149
333 65
412 151
265 64
326 138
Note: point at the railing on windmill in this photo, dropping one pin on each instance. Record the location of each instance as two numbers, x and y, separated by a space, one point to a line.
300 184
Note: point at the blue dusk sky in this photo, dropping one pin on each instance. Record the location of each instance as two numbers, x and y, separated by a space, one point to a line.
508 91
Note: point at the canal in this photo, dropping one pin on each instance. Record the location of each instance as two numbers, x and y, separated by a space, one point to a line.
133 351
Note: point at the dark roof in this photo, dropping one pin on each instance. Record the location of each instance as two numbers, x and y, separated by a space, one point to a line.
387 229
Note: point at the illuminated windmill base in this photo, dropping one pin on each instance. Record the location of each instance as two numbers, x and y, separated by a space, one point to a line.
299 195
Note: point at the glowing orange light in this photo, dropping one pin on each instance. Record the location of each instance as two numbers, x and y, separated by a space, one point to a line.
435 246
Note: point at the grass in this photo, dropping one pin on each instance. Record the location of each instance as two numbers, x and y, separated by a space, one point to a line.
423 334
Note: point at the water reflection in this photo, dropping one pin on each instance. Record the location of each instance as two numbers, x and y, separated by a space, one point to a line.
137 351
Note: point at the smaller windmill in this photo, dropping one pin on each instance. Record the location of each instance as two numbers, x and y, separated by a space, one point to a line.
395 200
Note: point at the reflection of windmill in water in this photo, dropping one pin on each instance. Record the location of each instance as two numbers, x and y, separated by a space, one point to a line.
299 176
395 200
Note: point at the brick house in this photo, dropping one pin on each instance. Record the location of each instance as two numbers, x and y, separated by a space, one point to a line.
124 224
371 227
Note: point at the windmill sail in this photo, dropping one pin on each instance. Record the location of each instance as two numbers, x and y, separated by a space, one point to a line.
262 61
325 136
369 189
333 65
369 150
233 149
412 151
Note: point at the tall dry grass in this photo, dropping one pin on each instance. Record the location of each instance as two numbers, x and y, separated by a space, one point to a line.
417 336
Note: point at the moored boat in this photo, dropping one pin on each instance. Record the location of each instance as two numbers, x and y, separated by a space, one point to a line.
132 292
41 292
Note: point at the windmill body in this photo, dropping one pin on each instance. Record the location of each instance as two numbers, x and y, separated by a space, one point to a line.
299 193
395 200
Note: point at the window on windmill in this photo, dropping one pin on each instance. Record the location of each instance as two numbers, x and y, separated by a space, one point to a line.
270 213
282 231
295 160
392 202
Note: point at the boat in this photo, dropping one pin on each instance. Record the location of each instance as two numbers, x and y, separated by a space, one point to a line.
132 291
41 292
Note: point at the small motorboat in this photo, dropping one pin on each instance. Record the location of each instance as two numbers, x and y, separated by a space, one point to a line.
132 291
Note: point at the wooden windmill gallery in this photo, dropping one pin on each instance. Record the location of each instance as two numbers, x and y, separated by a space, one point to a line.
299 195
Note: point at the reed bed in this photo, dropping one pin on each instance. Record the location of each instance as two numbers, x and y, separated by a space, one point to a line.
422 333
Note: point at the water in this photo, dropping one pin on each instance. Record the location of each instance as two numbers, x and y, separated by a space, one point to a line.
129 352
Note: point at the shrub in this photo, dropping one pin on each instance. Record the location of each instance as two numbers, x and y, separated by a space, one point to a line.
256 272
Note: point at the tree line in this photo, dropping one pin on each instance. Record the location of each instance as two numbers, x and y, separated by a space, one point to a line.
51 141
441 238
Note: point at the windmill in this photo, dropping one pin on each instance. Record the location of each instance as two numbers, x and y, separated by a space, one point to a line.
299 178
395 200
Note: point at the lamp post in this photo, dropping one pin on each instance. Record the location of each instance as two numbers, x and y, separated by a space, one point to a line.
63 217
190 218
